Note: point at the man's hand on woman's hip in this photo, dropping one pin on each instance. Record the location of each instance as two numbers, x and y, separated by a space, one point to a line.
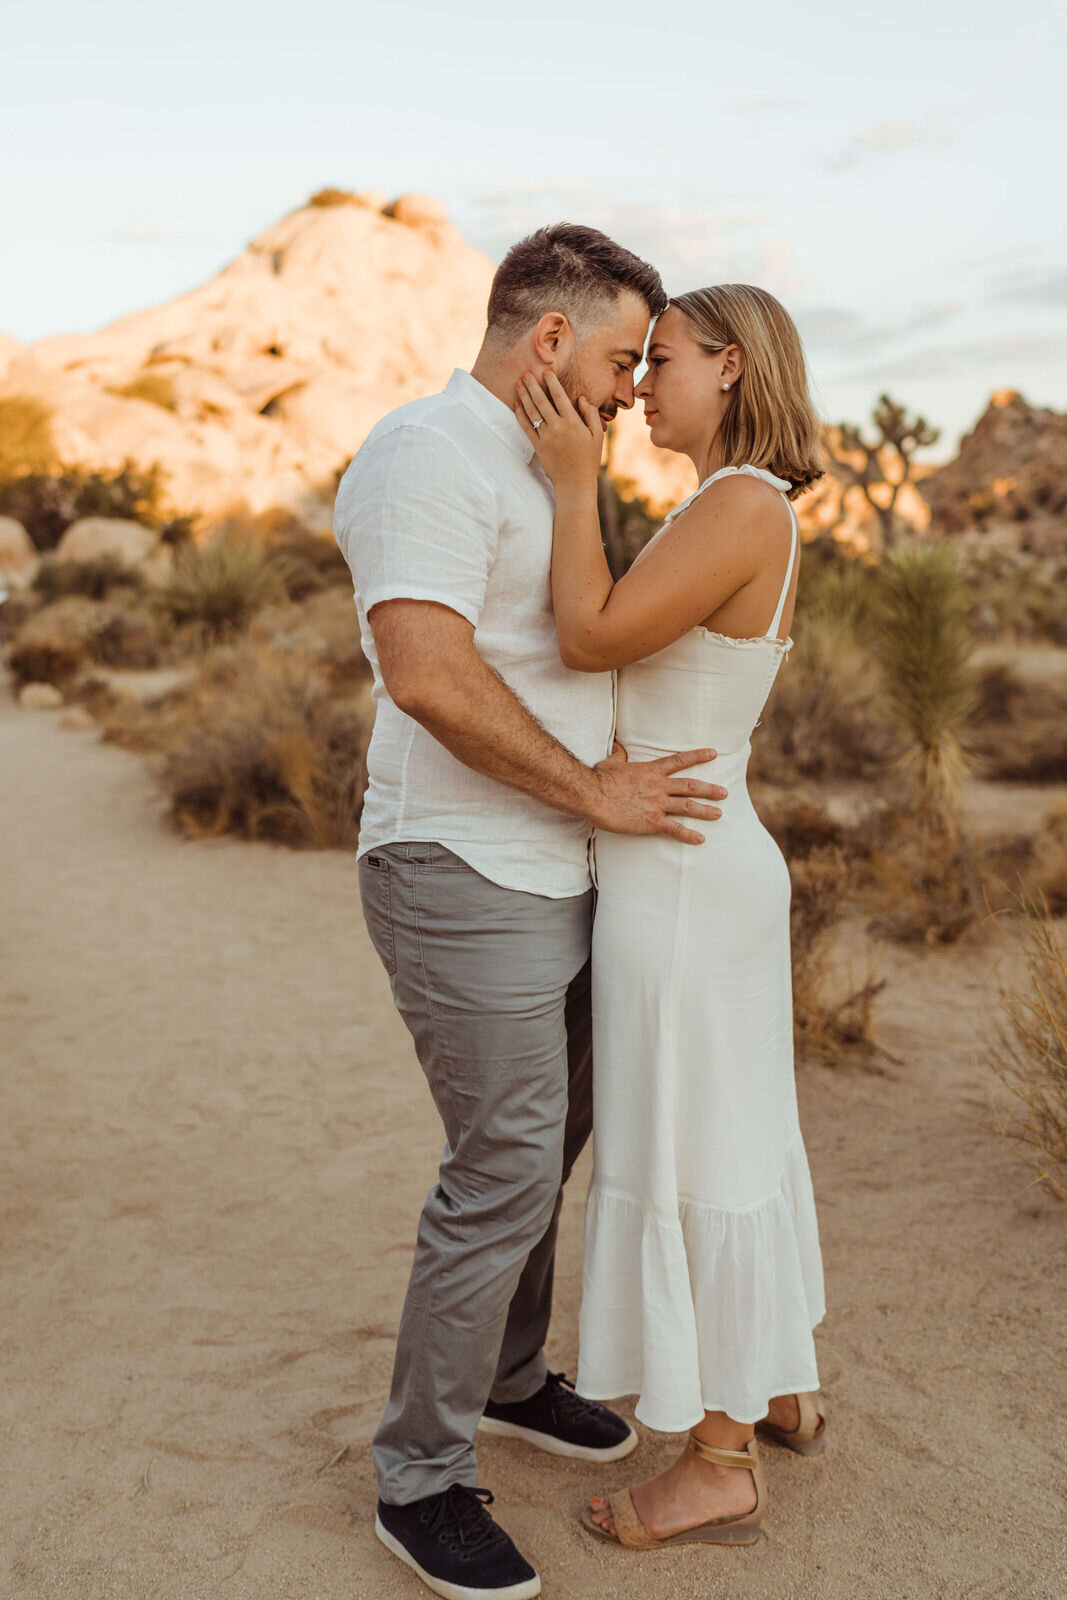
650 796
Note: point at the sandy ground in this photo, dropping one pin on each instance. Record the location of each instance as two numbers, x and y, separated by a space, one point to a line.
215 1144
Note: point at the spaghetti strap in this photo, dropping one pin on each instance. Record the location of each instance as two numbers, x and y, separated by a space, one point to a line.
772 631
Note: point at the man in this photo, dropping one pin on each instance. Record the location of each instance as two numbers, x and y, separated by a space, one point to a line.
488 766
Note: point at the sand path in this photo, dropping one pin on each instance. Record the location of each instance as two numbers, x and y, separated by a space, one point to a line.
215 1143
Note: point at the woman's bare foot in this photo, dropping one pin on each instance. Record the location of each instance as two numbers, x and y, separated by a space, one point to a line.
784 1412
690 1492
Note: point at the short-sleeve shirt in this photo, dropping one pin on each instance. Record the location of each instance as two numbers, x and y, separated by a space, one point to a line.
446 502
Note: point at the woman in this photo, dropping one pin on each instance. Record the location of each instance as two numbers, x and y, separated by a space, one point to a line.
702 1279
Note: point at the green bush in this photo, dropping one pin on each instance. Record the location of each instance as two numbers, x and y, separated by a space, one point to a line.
221 586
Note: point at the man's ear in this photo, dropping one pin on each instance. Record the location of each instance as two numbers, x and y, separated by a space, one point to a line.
552 338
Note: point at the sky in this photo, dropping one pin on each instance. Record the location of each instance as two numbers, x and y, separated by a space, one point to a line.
891 174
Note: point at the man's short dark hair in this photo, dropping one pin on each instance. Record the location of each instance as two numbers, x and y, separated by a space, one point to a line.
568 268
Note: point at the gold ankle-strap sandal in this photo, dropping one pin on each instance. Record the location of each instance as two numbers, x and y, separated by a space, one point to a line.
632 1533
809 1437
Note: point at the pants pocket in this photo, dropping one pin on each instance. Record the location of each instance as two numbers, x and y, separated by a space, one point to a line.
375 889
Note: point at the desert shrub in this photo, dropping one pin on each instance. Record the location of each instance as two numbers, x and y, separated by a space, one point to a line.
1029 1053
127 639
825 718
1020 733
921 886
270 752
221 586
47 503
95 578
46 654
154 387
324 629
832 1013
53 644
307 563
1017 593
58 641
26 443
924 648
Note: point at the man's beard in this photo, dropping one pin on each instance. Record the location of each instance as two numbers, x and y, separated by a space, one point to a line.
570 376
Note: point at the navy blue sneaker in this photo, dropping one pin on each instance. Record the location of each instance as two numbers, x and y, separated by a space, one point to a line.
560 1421
456 1548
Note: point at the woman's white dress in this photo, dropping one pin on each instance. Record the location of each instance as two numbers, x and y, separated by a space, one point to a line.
702 1278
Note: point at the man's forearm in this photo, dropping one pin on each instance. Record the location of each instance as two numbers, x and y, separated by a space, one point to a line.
482 723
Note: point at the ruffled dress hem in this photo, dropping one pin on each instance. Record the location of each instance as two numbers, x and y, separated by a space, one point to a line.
710 1311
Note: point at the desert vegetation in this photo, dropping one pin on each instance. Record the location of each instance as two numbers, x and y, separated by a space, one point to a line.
1029 1053
925 680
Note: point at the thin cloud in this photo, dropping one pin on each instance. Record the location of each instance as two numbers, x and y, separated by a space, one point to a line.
767 102
842 331
1036 287
1001 356
690 242
892 136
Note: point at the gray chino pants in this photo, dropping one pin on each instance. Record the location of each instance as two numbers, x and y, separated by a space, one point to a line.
494 987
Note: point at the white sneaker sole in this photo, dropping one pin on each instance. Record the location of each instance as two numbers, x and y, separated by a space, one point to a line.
558 1447
456 1591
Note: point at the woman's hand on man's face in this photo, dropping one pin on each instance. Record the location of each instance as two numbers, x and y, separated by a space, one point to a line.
569 443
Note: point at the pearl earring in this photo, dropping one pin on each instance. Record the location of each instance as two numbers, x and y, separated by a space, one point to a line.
726 385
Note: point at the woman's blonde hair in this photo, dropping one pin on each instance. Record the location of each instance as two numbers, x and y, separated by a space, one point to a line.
770 420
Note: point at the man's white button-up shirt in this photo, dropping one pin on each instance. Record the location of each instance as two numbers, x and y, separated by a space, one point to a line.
445 502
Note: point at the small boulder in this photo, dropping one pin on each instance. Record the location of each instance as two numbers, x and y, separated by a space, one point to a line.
18 555
418 211
77 719
40 697
92 537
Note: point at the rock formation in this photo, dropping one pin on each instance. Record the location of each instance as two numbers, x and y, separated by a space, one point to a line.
259 386
1009 482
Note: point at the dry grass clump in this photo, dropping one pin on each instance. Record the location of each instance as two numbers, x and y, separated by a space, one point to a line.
832 1012
1021 728
1029 1053
52 645
268 749
221 586
921 887
154 387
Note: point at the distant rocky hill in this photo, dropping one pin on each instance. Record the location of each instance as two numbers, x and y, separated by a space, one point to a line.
258 386
1009 481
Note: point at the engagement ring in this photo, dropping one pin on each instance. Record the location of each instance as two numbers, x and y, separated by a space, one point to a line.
538 423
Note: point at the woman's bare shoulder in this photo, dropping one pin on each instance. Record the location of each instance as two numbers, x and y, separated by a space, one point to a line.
739 501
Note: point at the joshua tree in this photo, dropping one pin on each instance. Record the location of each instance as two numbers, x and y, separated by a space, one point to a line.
886 461
925 655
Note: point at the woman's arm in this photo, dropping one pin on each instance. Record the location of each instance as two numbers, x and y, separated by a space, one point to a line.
714 549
